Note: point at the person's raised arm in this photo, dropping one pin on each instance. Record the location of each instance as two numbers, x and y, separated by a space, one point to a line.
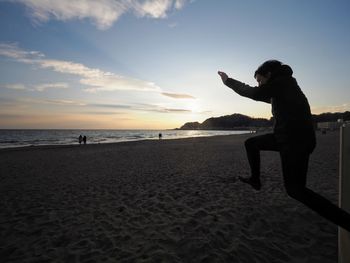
256 93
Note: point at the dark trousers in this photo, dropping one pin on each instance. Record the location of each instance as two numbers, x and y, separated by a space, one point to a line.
295 159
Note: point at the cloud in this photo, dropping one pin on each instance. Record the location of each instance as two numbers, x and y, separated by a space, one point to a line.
95 79
12 50
45 86
175 110
158 108
132 107
164 110
102 13
39 87
177 96
16 86
155 9
142 107
113 82
102 113
95 106
172 25
179 4
10 116
7 104
114 106
63 102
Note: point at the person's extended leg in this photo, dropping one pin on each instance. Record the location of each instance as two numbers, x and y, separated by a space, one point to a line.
253 147
294 166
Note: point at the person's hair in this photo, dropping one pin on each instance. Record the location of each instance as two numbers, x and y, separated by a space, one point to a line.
277 68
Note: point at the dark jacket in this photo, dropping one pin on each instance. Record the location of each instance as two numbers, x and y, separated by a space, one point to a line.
290 108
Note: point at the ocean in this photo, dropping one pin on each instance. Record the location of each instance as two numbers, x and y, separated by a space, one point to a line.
22 138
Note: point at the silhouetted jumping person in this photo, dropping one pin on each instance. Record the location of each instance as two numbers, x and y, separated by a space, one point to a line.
293 135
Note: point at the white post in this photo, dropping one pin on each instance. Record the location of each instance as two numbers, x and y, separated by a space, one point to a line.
344 191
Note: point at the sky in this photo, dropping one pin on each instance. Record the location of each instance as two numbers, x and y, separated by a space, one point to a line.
152 64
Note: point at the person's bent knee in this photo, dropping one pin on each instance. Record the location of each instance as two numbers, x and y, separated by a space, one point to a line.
294 190
249 143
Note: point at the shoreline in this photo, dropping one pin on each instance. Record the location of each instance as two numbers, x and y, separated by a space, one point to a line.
54 146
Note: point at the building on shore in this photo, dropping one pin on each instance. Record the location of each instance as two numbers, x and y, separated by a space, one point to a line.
330 125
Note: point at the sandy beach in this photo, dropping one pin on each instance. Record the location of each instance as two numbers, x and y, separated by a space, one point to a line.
161 201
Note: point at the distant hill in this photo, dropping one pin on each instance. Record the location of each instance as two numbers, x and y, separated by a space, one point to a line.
239 121
228 122
330 117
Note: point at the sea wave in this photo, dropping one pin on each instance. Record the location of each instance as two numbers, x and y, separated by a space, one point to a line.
21 138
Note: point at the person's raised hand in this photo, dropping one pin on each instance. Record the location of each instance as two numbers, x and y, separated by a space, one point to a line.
223 76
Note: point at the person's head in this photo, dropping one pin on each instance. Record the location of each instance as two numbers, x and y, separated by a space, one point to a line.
270 69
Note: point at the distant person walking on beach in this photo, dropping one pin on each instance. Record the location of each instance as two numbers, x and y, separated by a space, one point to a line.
84 139
293 136
160 136
80 139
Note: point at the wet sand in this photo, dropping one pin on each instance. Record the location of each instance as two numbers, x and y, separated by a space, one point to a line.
161 201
